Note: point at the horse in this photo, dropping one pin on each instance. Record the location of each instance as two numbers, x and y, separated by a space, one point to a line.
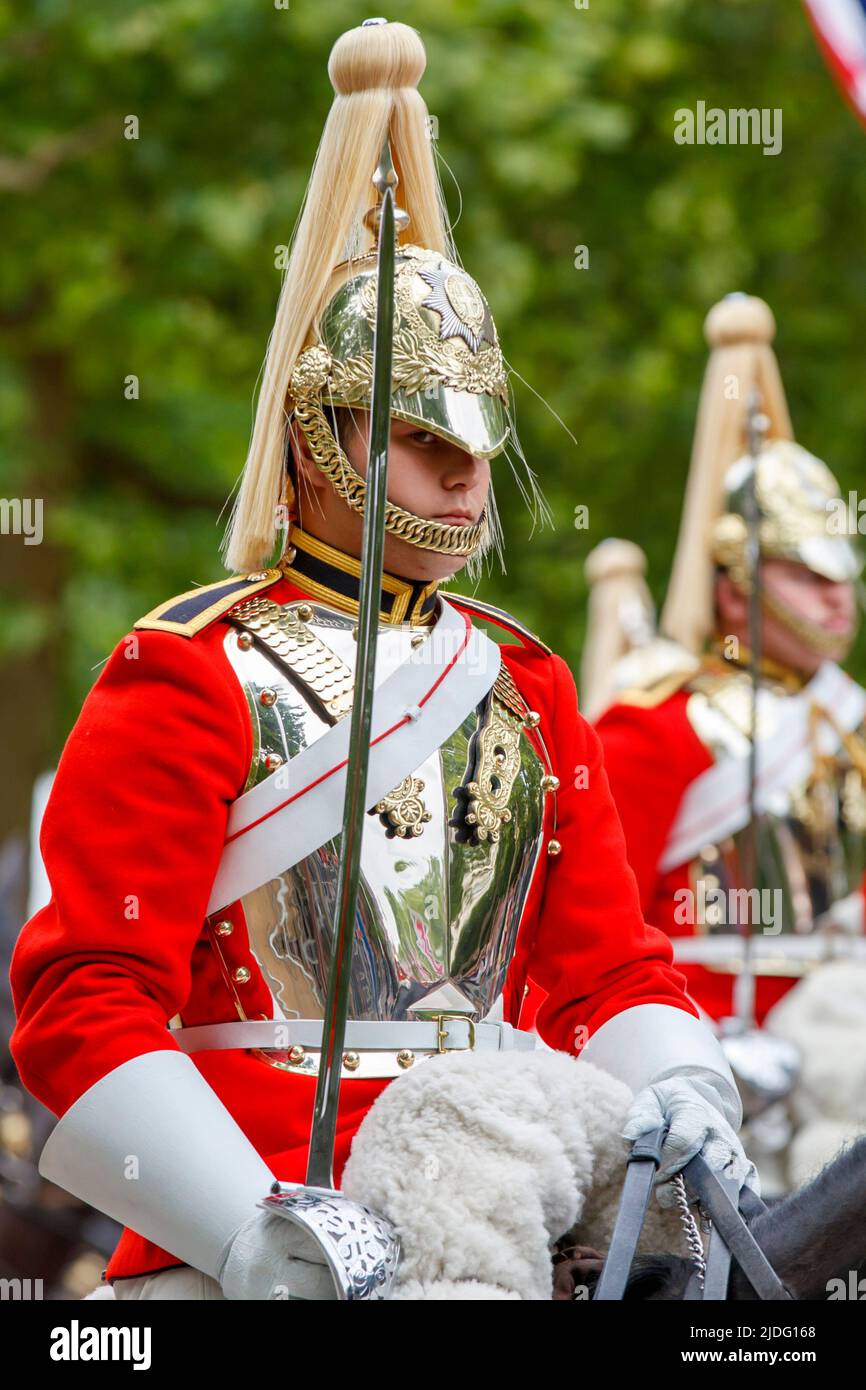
815 1240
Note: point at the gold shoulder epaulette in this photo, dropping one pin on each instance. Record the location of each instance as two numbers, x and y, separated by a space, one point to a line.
649 674
499 618
648 697
711 680
186 614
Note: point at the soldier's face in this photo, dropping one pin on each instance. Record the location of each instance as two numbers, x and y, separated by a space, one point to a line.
427 475
826 606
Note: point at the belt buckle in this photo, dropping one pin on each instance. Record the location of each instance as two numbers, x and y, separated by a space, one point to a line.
442 1032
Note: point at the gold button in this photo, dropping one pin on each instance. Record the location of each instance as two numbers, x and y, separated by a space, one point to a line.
405 1058
711 882
553 847
550 783
272 761
241 976
224 928
245 641
297 1053
531 719
709 853
304 612
268 697
351 1061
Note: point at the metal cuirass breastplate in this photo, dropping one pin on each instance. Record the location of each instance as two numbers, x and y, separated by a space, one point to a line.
440 897
811 840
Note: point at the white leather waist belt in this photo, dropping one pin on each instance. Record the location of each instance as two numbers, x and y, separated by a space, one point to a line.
771 955
372 1047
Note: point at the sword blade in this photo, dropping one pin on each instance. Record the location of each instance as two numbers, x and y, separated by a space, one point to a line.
320 1165
744 984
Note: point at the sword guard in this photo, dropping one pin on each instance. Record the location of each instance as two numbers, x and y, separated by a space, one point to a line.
361 1247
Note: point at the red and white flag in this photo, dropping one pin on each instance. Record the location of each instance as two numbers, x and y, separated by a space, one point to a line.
841 29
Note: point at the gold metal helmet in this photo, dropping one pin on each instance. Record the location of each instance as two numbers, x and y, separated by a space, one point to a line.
795 490
797 496
448 375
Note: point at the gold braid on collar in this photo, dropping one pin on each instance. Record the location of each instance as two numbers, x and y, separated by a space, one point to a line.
333 577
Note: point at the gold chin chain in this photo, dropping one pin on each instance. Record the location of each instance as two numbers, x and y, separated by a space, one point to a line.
826 643
331 460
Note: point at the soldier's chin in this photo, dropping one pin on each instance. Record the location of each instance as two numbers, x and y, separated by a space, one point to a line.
821 642
416 562
842 645
433 565
429 562
835 645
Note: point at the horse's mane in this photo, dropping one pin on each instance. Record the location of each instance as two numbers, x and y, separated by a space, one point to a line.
819 1232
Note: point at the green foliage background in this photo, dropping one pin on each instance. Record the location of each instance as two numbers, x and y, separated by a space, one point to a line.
156 257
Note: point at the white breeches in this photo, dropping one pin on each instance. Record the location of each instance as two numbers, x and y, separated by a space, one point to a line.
182 1283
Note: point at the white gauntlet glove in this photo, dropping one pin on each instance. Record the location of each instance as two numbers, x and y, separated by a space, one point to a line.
195 1184
270 1258
695 1111
679 1074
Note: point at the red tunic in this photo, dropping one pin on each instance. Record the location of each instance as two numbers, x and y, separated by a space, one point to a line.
652 756
131 839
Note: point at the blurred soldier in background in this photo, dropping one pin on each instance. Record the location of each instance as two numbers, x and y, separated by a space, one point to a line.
753 902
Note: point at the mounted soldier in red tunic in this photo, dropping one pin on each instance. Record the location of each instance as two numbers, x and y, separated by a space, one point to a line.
171 996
